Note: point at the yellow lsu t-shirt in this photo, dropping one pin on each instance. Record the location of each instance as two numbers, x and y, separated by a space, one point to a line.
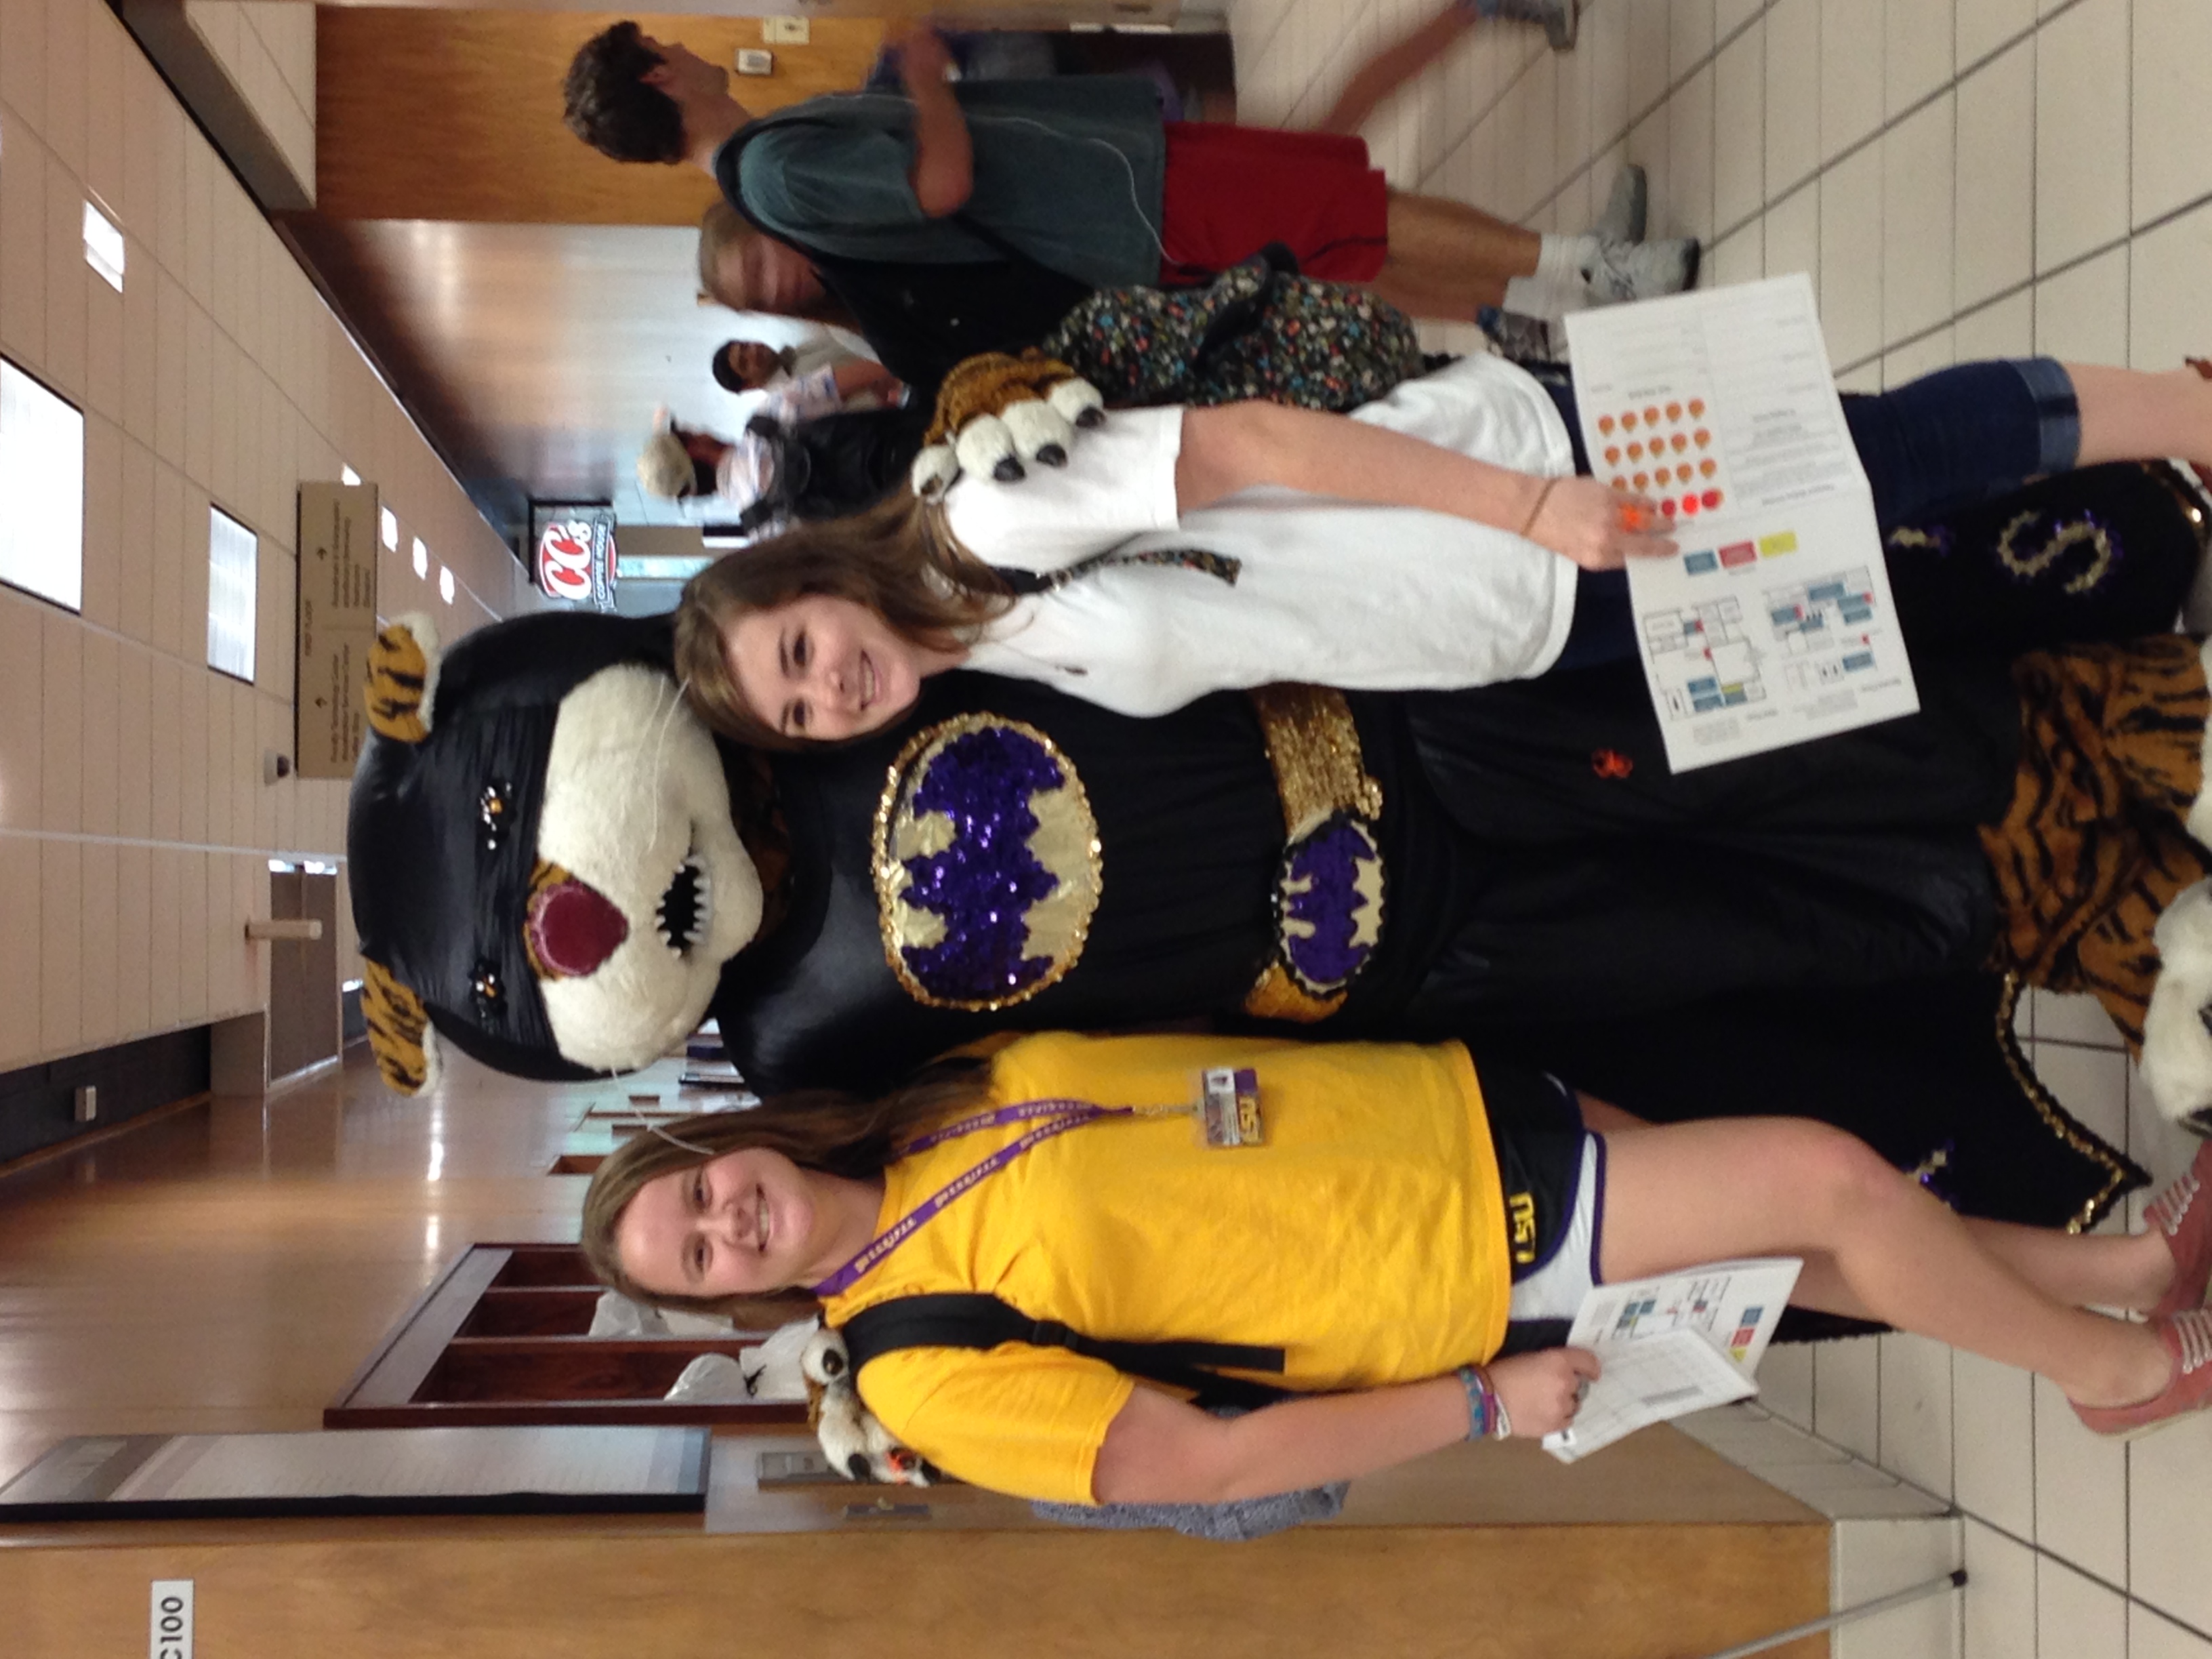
1366 1238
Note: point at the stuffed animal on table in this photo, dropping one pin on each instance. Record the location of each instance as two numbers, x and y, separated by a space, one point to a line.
995 411
857 1444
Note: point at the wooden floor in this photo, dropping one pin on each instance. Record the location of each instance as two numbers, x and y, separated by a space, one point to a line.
227 1267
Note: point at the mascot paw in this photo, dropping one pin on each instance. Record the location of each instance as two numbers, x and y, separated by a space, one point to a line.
859 1447
2177 1058
995 412
933 471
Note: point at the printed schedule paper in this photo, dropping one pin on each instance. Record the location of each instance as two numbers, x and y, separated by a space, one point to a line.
1673 1344
1774 625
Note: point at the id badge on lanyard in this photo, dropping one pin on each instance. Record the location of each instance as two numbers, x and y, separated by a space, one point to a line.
1229 1107
1228 1114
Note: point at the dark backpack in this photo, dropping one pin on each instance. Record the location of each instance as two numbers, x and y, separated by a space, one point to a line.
833 466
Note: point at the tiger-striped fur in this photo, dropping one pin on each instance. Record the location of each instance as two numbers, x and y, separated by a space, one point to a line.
2094 845
402 679
399 1031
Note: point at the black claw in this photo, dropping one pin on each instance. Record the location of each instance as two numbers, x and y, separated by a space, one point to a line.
1091 417
859 1467
1008 471
1052 455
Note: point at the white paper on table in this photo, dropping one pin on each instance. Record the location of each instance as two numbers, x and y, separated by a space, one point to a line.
1638 1330
1775 624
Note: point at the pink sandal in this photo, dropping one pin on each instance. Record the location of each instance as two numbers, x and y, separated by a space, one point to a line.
2184 1213
2187 1336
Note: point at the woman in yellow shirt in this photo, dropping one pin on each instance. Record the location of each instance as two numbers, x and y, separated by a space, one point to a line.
1403 1205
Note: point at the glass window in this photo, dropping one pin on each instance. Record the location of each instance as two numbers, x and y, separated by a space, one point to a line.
41 490
233 568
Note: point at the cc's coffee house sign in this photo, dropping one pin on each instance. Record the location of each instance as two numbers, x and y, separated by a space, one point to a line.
576 553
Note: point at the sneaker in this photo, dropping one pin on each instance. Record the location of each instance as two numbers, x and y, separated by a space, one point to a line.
1641 270
2187 1336
2184 1213
1623 218
1559 17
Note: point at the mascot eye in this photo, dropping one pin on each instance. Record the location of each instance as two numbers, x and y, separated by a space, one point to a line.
494 809
489 994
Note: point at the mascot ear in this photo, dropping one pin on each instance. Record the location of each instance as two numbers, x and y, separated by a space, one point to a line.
403 678
399 1031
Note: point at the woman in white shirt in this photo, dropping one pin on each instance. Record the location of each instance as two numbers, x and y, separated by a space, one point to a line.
819 378
1435 540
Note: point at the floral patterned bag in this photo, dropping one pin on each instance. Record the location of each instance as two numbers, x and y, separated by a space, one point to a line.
1260 331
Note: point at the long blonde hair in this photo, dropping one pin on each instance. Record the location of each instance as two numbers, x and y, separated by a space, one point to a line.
820 1129
896 559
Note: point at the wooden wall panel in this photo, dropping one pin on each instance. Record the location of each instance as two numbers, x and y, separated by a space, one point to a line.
436 114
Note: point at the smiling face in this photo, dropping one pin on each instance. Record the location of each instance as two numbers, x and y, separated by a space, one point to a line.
823 669
751 362
745 1224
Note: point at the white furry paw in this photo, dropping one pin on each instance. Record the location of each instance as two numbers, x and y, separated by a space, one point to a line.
1079 402
934 472
2177 1058
987 448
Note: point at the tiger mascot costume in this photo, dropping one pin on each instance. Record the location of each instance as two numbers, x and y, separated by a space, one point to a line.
556 868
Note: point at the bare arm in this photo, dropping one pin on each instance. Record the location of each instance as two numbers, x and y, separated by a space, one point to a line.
1160 1451
1392 67
1239 445
861 375
943 174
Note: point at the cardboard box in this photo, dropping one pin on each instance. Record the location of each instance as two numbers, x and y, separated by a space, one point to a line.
337 624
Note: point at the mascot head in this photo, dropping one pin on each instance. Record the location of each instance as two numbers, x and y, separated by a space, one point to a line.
544 866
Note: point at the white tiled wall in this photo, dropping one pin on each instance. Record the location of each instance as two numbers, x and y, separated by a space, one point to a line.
267 48
135 829
1962 179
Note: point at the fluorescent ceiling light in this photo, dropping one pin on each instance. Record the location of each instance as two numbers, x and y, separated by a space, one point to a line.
347 475
233 565
42 488
445 584
388 525
103 246
422 558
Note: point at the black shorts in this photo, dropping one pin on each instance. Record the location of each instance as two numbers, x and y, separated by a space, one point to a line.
1536 1129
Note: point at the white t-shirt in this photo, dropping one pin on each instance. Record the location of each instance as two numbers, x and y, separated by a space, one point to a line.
1331 592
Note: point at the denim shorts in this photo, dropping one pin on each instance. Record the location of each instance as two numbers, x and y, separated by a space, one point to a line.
1946 440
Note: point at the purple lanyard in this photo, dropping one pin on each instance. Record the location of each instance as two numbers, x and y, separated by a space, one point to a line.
1060 1116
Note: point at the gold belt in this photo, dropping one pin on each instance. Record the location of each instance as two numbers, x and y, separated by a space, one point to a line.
1314 748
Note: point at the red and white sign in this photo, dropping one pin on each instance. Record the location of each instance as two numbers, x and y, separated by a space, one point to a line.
576 555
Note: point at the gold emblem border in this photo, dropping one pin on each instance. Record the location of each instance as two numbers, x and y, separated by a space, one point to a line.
891 877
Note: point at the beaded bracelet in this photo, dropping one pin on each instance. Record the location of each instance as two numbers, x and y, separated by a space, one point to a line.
1479 1401
1485 1412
